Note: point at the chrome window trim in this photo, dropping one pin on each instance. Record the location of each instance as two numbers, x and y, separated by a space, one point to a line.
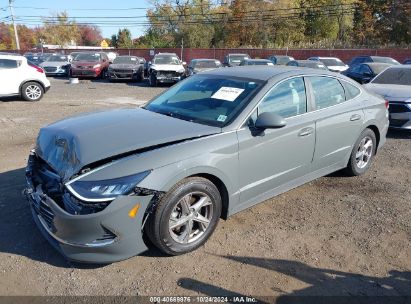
244 121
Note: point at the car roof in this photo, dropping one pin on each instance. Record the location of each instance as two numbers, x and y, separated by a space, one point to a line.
324 57
281 56
400 66
167 54
9 56
379 57
258 60
307 61
204 59
377 64
238 54
264 73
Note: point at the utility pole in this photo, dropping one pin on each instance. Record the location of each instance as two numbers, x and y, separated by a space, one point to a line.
14 24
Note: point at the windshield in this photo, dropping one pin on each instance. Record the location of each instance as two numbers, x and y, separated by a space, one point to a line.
236 59
283 59
206 64
378 68
385 60
209 100
57 58
394 76
332 62
126 59
88 57
166 60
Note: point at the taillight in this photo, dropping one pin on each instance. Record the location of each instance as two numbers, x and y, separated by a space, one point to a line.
387 104
37 68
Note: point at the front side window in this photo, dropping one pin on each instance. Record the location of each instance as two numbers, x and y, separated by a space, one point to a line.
286 99
327 91
209 100
9 64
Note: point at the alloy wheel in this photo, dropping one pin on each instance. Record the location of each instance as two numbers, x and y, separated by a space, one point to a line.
364 152
33 92
190 217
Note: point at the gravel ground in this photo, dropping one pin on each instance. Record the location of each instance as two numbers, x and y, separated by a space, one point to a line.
334 236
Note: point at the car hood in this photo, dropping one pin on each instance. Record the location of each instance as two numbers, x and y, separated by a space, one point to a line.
53 63
86 63
391 92
124 66
167 67
73 143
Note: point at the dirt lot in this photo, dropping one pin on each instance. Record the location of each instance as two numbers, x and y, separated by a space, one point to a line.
334 236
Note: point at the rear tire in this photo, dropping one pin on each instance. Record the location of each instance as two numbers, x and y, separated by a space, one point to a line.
362 154
32 91
185 217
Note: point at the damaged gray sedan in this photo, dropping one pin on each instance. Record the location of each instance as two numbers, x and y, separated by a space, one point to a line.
210 146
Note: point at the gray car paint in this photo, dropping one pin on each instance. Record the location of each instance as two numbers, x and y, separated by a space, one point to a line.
70 144
250 168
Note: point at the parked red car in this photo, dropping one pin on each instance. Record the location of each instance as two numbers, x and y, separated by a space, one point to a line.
89 64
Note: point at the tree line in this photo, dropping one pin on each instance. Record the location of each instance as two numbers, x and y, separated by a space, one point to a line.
238 23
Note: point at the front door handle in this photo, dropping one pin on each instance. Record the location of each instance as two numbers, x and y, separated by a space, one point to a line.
305 132
355 117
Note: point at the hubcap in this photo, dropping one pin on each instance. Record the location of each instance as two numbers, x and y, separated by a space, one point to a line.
33 92
364 152
190 217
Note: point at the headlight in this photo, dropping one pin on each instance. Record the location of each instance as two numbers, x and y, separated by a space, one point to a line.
181 71
105 190
96 66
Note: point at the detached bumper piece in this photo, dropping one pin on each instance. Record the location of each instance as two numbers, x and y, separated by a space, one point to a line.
105 236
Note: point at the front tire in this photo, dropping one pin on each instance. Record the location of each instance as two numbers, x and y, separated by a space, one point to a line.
362 154
153 80
32 91
185 217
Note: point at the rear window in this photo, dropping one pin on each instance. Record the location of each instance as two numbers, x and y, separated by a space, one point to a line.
9 64
332 62
327 91
351 91
394 76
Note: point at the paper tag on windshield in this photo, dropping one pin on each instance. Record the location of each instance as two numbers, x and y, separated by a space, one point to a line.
222 118
227 93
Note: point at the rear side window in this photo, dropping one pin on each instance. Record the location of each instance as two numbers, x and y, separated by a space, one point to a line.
286 99
327 91
351 91
9 64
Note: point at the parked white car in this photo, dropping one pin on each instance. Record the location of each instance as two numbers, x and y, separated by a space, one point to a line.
22 78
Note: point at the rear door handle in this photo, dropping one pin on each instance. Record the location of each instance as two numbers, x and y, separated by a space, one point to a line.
305 132
355 117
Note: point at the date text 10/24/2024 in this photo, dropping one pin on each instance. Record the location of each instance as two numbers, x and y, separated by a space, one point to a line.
203 299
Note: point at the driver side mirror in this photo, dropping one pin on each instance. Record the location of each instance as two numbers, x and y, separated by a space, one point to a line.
268 120
184 63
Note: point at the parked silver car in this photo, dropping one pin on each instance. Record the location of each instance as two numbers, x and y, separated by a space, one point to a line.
394 84
210 146
57 65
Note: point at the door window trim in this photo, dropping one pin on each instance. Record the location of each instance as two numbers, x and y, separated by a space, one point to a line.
311 105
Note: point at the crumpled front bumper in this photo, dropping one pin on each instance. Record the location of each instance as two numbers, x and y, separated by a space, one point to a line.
103 237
